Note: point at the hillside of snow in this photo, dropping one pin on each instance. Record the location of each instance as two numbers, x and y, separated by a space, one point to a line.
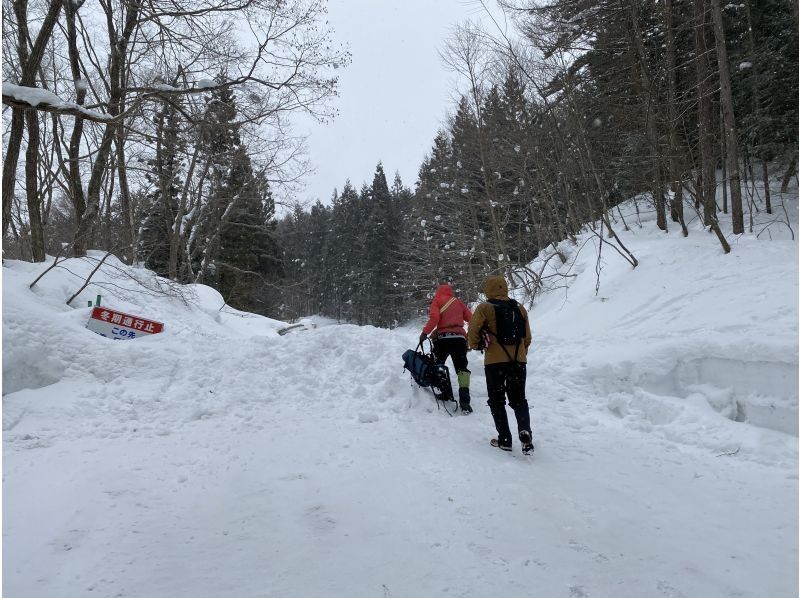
221 458
689 335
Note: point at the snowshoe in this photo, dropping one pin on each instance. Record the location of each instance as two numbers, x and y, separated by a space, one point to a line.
496 443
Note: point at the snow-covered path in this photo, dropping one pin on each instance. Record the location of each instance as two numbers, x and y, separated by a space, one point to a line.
349 482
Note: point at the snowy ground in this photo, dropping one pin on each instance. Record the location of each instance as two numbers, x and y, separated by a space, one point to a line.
222 459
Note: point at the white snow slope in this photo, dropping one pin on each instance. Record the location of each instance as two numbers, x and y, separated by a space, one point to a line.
220 459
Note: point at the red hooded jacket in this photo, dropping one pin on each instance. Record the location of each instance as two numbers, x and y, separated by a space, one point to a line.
452 318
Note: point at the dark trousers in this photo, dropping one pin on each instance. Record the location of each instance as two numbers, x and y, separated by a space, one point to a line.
507 380
454 347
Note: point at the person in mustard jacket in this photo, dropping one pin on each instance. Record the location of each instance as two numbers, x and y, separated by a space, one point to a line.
445 324
503 319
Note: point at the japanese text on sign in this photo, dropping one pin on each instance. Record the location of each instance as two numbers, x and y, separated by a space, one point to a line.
117 325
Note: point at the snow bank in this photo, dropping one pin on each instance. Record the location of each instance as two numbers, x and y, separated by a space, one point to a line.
694 345
54 369
46 343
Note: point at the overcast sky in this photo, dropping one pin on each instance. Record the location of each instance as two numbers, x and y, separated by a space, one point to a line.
394 96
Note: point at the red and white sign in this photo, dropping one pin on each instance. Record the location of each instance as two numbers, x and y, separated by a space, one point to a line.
117 325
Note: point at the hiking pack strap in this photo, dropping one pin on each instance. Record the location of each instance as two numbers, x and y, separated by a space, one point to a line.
446 305
503 347
421 348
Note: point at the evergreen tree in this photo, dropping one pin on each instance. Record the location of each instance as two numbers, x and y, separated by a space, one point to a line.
237 252
219 140
345 231
380 239
469 188
247 260
162 202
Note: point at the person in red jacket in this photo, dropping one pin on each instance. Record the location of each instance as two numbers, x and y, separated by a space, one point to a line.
446 326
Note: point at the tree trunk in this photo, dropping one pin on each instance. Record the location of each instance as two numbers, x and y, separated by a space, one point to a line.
106 224
117 64
177 235
74 152
676 206
754 70
707 187
726 248
724 166
767 195
652 124
126 209
32 187
729 119
29 65
12 148
790 172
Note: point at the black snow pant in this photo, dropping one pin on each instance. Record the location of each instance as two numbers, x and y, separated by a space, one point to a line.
455 347
507 380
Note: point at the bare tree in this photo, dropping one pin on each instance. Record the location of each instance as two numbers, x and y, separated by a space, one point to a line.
285 66
29 58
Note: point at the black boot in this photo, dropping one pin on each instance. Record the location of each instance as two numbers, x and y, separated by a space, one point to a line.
463 400
526 439
522 413
501 425
496 443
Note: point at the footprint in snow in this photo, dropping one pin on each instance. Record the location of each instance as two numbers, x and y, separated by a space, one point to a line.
669 591
319 519
578 547
479 550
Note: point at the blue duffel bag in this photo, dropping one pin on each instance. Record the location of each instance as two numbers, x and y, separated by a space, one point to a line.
429 374
422 367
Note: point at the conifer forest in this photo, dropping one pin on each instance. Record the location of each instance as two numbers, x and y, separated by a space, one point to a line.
160 131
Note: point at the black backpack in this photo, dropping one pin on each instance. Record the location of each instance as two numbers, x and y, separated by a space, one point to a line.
510 323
